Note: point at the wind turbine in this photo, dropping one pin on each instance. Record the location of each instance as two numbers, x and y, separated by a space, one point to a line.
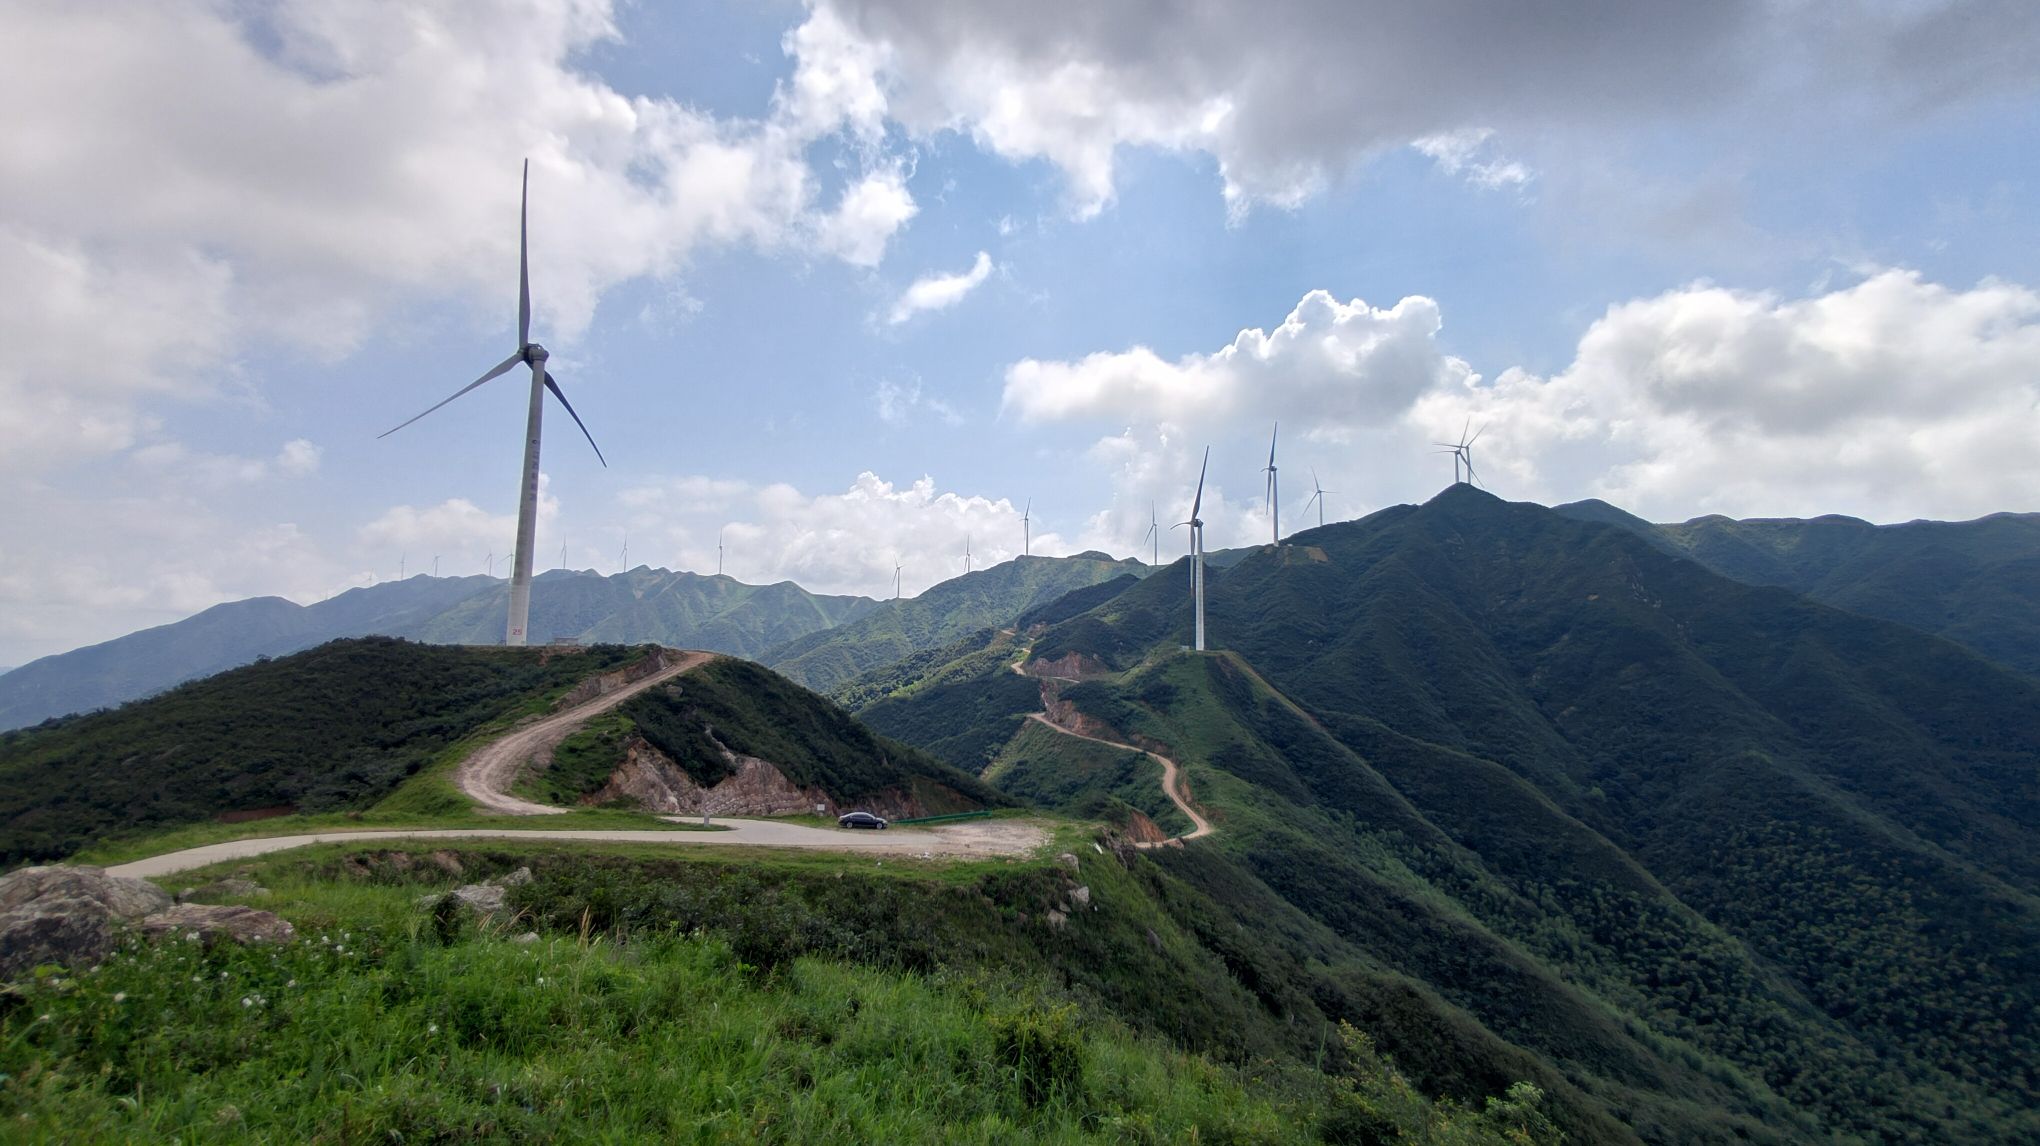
966 553
896 579
492 564
1026 529
1154 531
624 558
1197 552
1274 488
1462 453
718 552
1317 495
435 564
401 559
532 354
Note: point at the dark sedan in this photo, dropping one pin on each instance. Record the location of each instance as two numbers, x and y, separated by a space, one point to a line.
860 820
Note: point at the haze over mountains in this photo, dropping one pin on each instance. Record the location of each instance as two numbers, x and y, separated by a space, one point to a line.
643 605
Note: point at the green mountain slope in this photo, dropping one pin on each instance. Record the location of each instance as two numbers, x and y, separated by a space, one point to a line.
1733 862
337 727
1977 582
986 598
679 610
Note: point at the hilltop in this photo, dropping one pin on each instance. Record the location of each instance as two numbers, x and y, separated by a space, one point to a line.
1734 863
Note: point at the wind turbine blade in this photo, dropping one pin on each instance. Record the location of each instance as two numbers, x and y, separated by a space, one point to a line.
1198 502
555 388
502 368
1466 427
1478 433
524 267
1271 444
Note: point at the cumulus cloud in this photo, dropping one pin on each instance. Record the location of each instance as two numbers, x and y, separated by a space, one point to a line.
1891 398
303 167
1285 95
1329 363
298 458
458 525
840 542
938 292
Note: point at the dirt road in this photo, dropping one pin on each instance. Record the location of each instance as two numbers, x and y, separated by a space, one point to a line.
983 838
1172 786
486 775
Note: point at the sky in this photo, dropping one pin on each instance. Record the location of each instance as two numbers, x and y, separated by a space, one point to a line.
843 283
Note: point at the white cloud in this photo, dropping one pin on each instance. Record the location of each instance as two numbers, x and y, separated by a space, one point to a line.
842 542
458 525
1288 94
1891 398
298 458
1329 363
939 292
1468 152
305 167
898 403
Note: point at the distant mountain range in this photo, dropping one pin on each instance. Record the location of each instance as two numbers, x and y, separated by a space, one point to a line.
1731 863
767 623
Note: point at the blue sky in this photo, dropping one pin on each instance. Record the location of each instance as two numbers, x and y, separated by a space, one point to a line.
1753 259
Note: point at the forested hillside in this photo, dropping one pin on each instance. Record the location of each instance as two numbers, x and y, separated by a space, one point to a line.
334 728
1736 863
1977 582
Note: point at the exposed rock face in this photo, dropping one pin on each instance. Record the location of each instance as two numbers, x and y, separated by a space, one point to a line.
74 915
1070 666
756 788
214 925
1142 830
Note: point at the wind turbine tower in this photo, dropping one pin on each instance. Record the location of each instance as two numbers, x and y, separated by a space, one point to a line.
896 579
1027 529
624 558
966 553
718 552
1155 532
530 354
1317 495
1274 489
1196 525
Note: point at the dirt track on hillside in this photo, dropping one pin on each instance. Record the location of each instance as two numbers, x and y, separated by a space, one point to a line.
1172 785
487 774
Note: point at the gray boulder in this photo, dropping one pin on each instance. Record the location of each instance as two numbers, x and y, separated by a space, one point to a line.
67 915
213 925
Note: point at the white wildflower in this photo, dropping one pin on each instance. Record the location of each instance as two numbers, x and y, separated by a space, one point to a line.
246 1001
120 996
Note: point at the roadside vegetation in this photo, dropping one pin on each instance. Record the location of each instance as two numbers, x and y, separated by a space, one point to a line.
393 1019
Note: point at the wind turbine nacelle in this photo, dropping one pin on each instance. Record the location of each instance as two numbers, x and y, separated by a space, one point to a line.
533 352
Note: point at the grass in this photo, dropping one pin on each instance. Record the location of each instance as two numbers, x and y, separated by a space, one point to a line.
390 1021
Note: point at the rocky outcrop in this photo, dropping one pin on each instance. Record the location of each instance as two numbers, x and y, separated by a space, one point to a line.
487 899
214 925
1142 830
75 915
755 787
1069 666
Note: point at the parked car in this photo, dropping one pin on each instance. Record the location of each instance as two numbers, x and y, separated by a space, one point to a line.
860 820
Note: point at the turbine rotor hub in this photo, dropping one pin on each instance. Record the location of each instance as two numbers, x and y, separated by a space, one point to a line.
533 352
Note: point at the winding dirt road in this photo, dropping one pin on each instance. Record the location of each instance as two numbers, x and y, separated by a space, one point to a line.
485 777
1172 785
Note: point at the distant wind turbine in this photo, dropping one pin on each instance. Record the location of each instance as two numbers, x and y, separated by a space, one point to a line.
718 552
1274 488
401 558
492 564
896 579
435 564
966 553
1196 525
1155 532
532 354
1462 453
1026 529
1317 495
624 558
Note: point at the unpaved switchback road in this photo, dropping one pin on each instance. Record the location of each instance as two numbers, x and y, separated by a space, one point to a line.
487 774
1172 785
984 839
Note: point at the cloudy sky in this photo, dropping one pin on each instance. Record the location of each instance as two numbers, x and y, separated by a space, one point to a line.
847 280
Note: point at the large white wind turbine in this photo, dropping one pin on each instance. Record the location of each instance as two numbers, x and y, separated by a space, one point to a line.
1462 453
1274 489
532 354
1317 494
1196 525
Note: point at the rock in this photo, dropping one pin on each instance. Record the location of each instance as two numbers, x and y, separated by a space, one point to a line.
216 924
1056 919
1067 860
445 861
527 938
517 878
1081 897
222 889
68 915
484 899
